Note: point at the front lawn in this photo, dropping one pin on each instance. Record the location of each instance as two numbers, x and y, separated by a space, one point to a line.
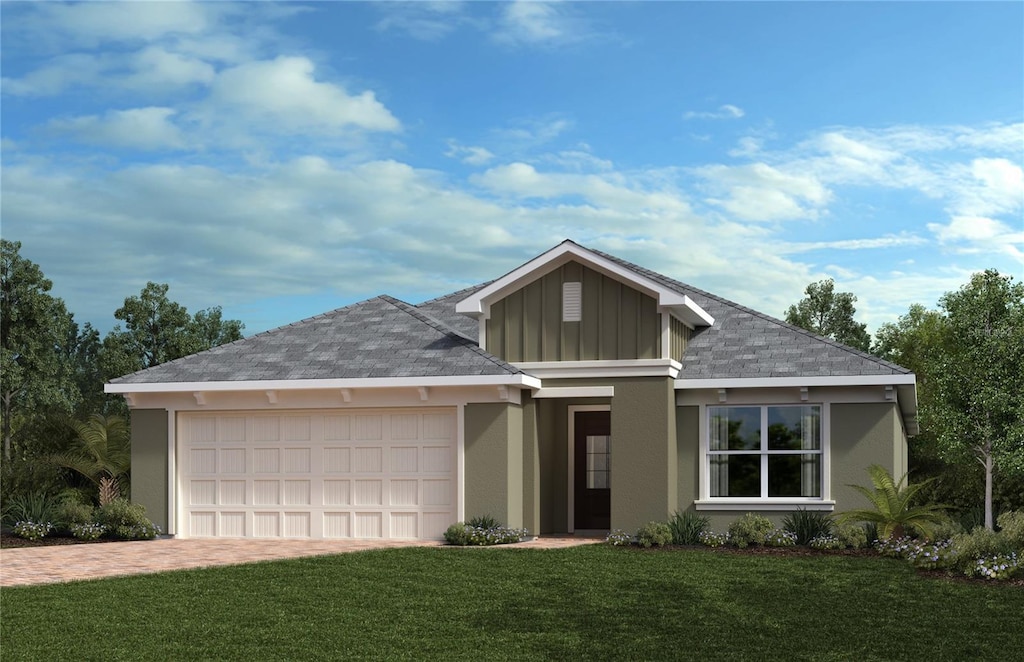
592 603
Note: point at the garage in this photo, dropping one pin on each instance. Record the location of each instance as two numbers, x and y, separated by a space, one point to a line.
374 473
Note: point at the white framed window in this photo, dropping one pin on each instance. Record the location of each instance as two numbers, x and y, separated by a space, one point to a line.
765 453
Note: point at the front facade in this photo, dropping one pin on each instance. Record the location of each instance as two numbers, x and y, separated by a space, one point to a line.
579 392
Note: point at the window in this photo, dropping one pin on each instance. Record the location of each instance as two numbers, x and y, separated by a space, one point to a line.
765 452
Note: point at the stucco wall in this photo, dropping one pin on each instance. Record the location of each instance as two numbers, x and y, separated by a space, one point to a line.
687 454
494 462
149 463
862 435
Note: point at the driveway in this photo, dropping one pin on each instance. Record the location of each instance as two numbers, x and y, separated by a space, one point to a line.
63 563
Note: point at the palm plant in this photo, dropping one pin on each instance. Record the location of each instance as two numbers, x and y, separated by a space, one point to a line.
101 452
893 512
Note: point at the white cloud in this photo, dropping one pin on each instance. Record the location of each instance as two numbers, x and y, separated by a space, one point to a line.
137 128
471 155
284 91
59 74
89 23
535 23
887 241
724 112
427 21
761 192
157 67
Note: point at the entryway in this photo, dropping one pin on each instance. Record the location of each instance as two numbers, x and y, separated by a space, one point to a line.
591 462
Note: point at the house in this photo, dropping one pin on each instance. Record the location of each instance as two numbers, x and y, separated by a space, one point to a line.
577 392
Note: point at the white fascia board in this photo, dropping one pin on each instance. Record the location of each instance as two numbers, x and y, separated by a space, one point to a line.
575 392
782 382
520 381
625 368
476 303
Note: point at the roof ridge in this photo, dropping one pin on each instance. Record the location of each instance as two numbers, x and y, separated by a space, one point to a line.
452 294
440 326
679 285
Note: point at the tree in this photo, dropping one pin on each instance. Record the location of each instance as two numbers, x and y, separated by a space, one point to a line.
158 330
34 336
829 313
101 452
977 408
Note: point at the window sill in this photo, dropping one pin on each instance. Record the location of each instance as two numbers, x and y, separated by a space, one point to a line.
765 504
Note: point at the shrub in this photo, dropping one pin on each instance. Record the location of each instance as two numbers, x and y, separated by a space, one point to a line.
826 542
854 535
458 534
70 513
807 525
654 534
780 538
1011 527
712 539
932 555
999 567
751 529
945 529
483 522
687 527
30 507
979 543
891 505
619 538
32 530
126 520
88 531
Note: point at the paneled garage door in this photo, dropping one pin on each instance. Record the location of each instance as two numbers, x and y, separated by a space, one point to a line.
336 474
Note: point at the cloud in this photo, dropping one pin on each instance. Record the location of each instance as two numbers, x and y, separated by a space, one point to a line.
426 21
285 93
724 112
59 74
887 241
761 192
534 23
136 128
468 154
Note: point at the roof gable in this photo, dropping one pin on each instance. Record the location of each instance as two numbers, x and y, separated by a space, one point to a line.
478 302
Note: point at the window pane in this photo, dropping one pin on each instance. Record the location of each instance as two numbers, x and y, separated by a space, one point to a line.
735 475
794 475
735 428
597 480
597 462
598 444
794 428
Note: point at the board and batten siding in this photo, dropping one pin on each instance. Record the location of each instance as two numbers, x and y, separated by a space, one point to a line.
679 336
618 322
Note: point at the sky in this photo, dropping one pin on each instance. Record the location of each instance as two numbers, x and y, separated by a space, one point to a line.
284 159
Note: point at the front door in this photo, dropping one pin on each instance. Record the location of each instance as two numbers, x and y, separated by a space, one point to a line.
592 445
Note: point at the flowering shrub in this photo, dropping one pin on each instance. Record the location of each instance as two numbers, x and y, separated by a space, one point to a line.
127 521
851 535
619 538
1001 566
780 538
933 555
32 530
712 539
464 534
894 547
751 529
826 542
89 531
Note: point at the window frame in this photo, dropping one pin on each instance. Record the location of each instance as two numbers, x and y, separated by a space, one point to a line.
763 502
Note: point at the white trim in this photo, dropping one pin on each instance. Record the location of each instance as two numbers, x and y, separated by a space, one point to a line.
572 409
666 334
478 303
776 382
610 368
764 504
172 469
523 381
460 463
575 392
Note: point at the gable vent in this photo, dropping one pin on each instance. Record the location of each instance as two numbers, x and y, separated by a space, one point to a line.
572 302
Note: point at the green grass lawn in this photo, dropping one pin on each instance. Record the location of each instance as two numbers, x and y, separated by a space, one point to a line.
592 603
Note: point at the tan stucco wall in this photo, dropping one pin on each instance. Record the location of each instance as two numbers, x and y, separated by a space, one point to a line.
494 462
687 454
149 463
862 435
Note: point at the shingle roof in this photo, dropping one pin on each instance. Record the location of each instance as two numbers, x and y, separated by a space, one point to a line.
379 337
744 343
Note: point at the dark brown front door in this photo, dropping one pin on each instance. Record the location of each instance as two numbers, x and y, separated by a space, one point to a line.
592 446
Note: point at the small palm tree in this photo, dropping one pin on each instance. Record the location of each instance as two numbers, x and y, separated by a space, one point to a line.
102 452
892 511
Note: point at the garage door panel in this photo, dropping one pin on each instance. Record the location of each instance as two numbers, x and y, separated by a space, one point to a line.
318 475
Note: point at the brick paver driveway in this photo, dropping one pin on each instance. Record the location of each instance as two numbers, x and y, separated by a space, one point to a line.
44 565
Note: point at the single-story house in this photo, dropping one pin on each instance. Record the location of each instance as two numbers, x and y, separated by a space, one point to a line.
578 392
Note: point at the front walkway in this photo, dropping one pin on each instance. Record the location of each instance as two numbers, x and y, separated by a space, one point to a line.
62 563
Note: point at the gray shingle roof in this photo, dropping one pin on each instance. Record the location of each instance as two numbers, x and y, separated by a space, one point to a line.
379 337
744 343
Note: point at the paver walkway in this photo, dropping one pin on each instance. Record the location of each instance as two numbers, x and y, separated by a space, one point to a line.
62 563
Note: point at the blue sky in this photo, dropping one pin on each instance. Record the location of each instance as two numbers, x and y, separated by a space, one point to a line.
282 160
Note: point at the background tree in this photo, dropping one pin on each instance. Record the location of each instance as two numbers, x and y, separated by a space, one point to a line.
34 337
829 313
158 330
101 453
977 404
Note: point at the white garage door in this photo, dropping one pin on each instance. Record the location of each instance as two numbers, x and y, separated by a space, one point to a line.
336 474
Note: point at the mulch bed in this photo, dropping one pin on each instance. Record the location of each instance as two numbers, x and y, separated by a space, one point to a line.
9 541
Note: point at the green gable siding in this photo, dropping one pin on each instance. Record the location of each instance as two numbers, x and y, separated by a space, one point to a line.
679 336
618 321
